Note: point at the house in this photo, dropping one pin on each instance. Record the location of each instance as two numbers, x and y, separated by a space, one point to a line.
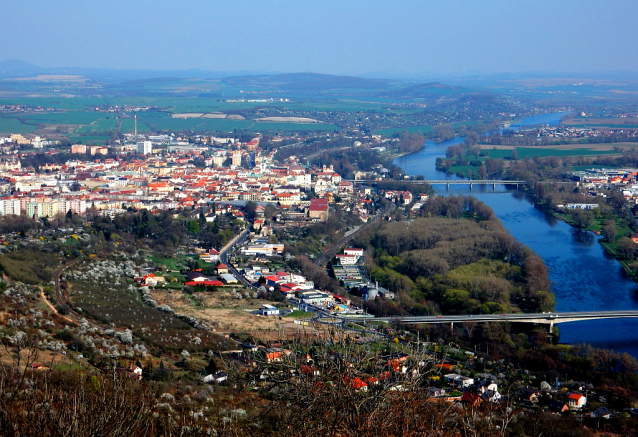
601 413
218 377
528 394
269 310
435 392
470 398
310 370
222 269
318 209
558 406
347 260
576 401
353 251
459 381
357 384
197 277
491 396
228 278
135 370
274 357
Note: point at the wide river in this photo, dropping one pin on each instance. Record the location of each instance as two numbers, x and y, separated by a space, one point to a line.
583 276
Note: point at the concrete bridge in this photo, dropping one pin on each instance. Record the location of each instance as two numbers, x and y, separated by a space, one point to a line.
541 318
447 182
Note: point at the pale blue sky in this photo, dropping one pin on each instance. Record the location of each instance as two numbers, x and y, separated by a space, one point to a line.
327 36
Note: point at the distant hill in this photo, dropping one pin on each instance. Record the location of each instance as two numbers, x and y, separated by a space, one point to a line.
432 90
306 82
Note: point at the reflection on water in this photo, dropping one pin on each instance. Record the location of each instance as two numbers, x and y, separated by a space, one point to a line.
583 237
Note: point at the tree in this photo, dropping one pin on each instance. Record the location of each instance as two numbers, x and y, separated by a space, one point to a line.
193 227
161 373
627 248
211 367
610 231
582 219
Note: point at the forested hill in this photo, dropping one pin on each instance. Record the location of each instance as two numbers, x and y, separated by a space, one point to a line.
456 259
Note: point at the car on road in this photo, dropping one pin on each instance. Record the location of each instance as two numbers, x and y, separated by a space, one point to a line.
438 317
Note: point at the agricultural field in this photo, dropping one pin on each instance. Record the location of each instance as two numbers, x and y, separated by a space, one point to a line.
570 150
602 122
80 118
89 139
9 125
392 131
101 125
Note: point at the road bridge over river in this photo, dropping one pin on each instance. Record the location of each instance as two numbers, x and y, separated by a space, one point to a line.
541 318
447 182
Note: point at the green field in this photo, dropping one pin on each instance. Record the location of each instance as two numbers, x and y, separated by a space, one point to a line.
392 131
128 126
13 126
89 139
102 125
69 117
524 152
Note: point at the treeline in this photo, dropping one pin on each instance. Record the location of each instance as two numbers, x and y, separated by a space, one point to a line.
458 260
347 162
408 142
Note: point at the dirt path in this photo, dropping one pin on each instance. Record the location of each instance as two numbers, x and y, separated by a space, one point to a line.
50 305
60 297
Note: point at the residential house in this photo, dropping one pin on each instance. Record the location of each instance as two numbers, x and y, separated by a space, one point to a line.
558 406
470 398
576 401
601 413
528 394
218 377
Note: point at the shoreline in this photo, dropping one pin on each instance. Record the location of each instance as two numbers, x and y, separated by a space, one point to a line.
605 245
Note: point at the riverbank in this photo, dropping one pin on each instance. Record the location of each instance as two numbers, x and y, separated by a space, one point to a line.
596 227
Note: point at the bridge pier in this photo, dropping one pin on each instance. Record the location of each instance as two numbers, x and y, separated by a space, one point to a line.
448 186
494 187
470 186
452 327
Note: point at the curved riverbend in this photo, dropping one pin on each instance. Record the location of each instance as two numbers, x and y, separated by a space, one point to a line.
584 277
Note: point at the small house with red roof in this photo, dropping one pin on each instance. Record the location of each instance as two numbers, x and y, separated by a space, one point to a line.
576 401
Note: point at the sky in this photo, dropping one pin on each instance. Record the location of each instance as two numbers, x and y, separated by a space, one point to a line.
386 38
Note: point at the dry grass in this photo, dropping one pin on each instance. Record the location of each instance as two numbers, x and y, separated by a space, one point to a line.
225 312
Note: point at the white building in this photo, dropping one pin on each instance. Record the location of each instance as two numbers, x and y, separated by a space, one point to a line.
269 310
145 147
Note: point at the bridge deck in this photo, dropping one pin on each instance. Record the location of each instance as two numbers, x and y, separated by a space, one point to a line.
543 318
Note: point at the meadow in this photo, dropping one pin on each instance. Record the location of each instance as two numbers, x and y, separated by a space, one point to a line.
525 152
10 125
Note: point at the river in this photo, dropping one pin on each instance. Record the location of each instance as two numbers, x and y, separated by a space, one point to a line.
583 276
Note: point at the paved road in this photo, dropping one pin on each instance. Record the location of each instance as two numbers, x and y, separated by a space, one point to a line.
223 257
